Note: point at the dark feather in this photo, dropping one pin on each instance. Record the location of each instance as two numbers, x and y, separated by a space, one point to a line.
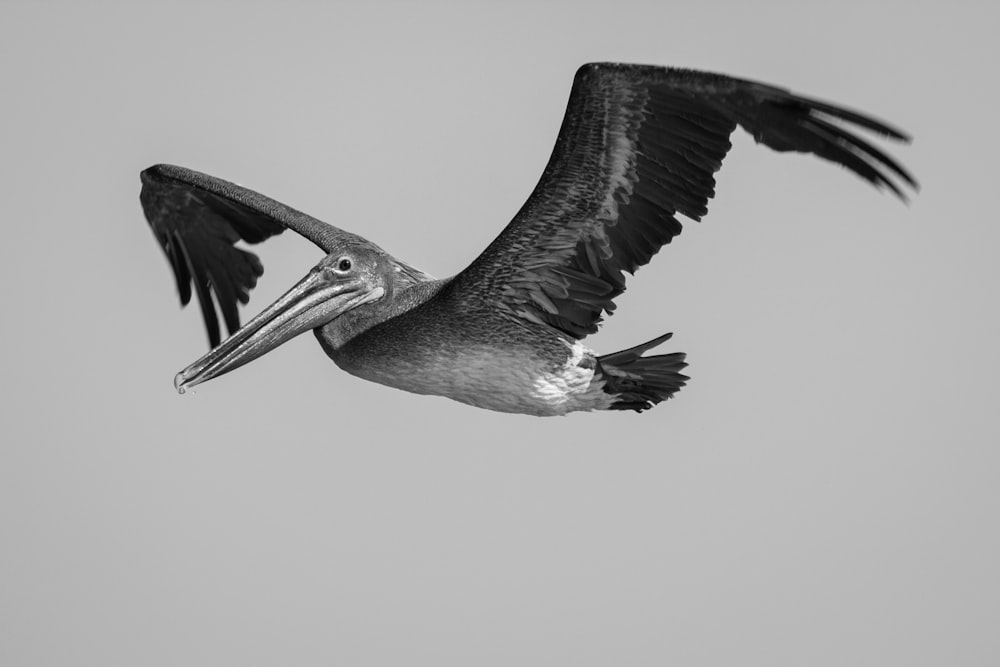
198 218
639 145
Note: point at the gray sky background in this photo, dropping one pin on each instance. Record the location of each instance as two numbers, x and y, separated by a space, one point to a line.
825 491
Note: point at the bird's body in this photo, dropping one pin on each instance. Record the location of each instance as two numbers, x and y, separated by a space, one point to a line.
470 356
638 146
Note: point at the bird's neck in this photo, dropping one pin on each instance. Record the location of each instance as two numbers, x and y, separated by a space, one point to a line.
340 331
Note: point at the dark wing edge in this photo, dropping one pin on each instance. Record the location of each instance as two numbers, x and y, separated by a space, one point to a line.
197 219
638 145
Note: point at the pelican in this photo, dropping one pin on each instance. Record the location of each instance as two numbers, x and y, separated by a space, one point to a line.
638 146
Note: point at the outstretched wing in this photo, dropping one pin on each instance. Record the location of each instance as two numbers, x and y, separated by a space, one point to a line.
638 145
198 218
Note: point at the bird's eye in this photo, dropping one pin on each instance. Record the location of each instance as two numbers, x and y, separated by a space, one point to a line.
344 264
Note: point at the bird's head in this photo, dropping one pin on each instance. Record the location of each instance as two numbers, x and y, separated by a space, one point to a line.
351 276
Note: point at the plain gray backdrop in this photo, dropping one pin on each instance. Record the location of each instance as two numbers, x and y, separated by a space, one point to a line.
824 492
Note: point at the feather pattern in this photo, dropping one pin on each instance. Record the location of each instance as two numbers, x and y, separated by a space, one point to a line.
198 219
638 146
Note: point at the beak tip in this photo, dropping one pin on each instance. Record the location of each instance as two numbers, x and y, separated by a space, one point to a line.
179 382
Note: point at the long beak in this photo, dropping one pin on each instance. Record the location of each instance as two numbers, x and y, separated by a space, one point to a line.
312 302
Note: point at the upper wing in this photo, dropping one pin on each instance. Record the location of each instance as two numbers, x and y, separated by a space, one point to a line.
638 145
198 218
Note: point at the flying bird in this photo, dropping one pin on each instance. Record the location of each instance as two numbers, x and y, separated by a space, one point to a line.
637 148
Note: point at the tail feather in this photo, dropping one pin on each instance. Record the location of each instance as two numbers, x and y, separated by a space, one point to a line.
637 382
